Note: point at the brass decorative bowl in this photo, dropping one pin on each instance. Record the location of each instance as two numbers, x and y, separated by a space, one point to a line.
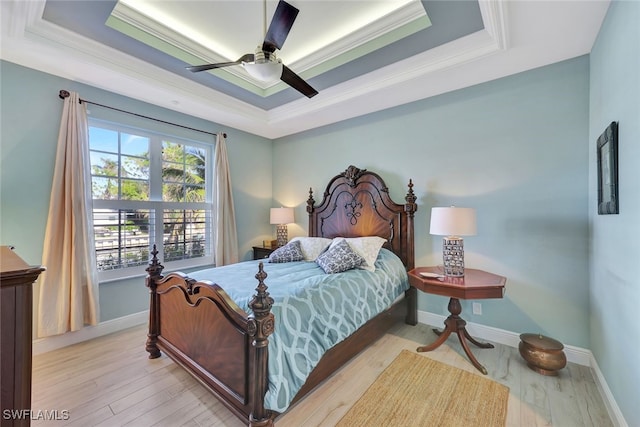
542 354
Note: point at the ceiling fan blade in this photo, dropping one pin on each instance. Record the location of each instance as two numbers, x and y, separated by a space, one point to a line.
249 57
296 82
205 67
280 25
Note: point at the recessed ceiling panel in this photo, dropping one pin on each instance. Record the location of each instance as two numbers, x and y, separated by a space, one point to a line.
323 36
443 22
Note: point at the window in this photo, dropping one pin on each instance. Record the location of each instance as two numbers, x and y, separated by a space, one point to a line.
147 189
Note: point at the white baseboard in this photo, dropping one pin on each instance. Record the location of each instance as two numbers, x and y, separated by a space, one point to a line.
578 355
612 407
43 345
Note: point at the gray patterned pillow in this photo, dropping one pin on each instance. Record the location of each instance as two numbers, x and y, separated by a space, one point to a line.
338 258
287 253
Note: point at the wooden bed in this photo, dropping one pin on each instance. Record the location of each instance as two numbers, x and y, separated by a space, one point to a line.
224 348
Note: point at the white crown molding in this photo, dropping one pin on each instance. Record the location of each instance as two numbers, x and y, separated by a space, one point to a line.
494 17
403 78
399 17
92 63
17 16
41 45
157 29
512 41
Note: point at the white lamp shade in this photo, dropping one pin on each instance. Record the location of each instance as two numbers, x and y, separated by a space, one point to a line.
281 216
264 71
453 221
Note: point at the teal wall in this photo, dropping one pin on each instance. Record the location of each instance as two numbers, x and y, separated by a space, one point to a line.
516 149
30 119
615 251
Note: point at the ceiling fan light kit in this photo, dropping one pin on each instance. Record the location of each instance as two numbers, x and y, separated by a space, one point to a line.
264 65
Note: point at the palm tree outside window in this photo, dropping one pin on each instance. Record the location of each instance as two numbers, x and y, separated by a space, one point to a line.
149 188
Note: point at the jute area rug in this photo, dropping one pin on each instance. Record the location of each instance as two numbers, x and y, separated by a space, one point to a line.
417 391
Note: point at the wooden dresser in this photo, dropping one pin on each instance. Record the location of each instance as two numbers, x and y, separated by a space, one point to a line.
16 308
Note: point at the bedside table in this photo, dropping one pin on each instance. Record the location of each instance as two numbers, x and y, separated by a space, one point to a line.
475 284
261 252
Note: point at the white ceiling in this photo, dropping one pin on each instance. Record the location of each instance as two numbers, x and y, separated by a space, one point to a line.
518 35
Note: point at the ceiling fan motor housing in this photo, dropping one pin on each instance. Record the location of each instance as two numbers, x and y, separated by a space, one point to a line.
262 56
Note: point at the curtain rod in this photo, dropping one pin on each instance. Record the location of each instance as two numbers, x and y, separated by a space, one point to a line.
65 94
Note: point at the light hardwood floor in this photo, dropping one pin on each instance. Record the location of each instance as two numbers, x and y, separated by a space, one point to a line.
110 382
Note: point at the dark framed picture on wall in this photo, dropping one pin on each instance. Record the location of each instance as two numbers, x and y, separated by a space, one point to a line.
608 170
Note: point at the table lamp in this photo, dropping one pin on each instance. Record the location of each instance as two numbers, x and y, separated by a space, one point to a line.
281 217
453 222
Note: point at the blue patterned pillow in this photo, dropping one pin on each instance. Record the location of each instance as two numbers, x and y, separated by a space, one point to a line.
287 253
338 258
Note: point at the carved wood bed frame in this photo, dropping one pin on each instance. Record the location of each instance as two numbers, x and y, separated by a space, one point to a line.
198 325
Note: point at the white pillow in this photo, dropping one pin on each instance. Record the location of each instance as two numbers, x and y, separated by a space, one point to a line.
312 246
367 247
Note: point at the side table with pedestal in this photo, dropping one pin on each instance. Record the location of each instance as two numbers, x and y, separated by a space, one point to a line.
475 284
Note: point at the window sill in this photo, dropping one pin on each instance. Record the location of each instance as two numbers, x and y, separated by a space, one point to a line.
139 272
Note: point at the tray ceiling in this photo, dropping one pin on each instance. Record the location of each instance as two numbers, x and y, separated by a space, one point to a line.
362 56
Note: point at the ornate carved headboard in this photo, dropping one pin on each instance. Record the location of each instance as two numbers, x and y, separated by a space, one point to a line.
356 203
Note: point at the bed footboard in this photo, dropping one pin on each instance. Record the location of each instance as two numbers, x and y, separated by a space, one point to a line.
200 327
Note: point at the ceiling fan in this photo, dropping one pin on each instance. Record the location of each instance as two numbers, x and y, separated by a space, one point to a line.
263 65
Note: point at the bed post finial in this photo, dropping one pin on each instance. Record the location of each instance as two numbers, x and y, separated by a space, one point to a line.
155 273
310 208
260 325
351 175
310 201
411 197
155 268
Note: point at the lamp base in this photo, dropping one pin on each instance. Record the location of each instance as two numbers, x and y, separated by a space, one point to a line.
281 234
453 256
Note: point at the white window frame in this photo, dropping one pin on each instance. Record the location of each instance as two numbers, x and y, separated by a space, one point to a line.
155 202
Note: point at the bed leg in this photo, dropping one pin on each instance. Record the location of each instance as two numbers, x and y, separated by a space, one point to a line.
155 273
260 326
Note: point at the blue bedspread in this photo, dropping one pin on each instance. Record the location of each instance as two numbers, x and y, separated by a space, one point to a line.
313 311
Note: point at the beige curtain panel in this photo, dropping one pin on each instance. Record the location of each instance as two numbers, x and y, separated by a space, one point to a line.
224 217
68 298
